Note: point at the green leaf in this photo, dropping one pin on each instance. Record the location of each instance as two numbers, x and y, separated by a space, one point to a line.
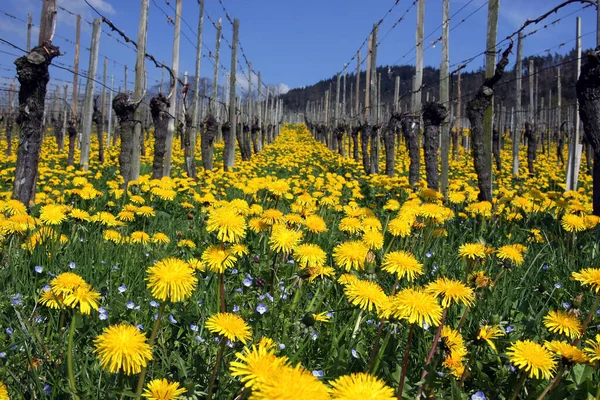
582 373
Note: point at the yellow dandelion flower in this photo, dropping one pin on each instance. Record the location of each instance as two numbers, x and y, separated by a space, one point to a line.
309 255
320 272
64 284
568 352
218 259
229 325
365 294
402 264
122 348
472 251
489 333
350 225
451 291
3 392
346 279
573 223
593 351
256 365
111 235
315 224
291 383
139 237
401 227
350 254
272 216
479 280
146 211
229 225
161 238
284 240
417 307
360 386
512 253
588 277
532 358
453 341
161 389
51 300
563 323
186 243
85 297
373 239
53 214
171 279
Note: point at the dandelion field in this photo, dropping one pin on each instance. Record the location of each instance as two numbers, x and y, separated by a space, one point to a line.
297 276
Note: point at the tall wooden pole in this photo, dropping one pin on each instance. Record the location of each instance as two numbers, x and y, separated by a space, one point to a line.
490 69
103 96
76 70
88 106
259 138
110 109
531 90
396 93
125 77
29 25
416 107
375 142
173 100
344 107
574 146
196 115
139 88
337 99
357 97
229 150
517 128
559 105
213 97
459 129
445 95
368 81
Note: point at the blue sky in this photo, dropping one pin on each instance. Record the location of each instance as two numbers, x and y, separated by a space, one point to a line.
293 43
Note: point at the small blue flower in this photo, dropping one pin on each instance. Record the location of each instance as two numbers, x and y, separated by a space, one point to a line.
46 288
318 373
2 354
154 304
281 346
9 331
172 319
39 269
478 396
428 254
194 328
199 338
130 305
314 335
261 309
230 344
558 285
16 300
545 267
330 314
566 305
234 271
72 265
354 353
103 316
510 328
236 309
426 326
269 297
140 327
290 261
247 282
261 297
115 268
434 269
239 290
48 390
38 320
122 289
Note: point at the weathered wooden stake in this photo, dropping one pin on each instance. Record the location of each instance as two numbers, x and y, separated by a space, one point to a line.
517 129
229 136
88 106
445 95
173 99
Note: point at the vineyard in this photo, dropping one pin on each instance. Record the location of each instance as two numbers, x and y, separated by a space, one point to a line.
423 239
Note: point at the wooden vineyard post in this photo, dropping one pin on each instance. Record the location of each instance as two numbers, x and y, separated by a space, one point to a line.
445 96
29 25
488 120
139 89
173 100
229 136
76 71
195 122
574 145
374 108
517 128
88 105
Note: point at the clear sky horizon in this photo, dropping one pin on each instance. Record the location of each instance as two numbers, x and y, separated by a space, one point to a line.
293 43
